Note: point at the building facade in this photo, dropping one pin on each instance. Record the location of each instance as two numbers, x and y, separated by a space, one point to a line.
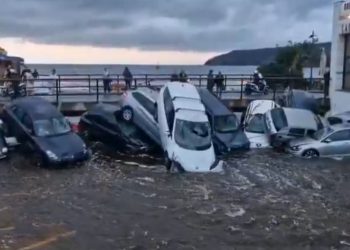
340 58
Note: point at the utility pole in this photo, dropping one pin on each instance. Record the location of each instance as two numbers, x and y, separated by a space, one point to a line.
314 40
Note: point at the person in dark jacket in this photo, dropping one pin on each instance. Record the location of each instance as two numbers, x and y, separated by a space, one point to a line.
35 74
219 81
183 76
106 81
210 81
127 77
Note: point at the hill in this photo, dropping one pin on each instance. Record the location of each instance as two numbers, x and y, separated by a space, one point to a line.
256 56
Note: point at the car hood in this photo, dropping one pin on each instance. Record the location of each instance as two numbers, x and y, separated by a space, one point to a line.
197 161
234 140
62 145
302 142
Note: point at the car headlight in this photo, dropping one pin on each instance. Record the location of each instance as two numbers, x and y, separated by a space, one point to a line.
4 150
51 155
295 148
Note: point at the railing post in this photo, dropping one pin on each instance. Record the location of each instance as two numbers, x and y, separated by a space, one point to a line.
241 88
200 80
89 84
97 92
59 84
146 79
225 82
57 89
135 83
274 91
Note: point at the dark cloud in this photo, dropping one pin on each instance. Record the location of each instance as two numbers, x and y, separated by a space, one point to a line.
197 25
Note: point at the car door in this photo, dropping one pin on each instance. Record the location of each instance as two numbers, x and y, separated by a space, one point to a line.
337 144
15 115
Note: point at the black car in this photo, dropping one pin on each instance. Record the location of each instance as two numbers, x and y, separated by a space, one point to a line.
3 143
227 133
104 123
299 99
41 129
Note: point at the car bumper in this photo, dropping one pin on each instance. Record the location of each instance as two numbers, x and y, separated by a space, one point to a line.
293 152
64 161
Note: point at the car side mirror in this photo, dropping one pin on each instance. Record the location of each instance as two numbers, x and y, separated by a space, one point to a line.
327 140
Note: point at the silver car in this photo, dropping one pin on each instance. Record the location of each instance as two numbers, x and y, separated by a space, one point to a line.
139 107
343 118
331 141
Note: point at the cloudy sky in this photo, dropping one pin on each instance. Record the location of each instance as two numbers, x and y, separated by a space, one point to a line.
154 31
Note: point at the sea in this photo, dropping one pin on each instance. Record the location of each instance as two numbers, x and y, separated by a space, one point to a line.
115 69
92 69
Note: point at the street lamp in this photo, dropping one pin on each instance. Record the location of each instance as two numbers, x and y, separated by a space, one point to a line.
314 40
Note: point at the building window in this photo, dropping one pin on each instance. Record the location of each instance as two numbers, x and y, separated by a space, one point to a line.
346 79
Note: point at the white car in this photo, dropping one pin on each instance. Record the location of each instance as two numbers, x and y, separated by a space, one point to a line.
185 130
253 123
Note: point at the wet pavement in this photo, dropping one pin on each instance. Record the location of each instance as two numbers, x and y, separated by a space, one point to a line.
264 200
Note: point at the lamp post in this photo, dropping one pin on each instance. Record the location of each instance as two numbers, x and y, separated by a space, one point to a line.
314 40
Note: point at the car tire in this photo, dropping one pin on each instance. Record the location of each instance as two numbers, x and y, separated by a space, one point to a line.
127 114
167 162
311 154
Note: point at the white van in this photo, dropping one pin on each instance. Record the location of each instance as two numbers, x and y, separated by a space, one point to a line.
185 130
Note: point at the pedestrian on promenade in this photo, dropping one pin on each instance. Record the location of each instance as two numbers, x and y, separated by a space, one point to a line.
210 81
219 81
183 76
106 81
35 74
127 78
54 81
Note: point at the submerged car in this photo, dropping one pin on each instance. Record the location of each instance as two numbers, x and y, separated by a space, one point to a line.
285 124
139 107
40 128
227 133
299 99
3 142
333 141
104 123
253 123
185 129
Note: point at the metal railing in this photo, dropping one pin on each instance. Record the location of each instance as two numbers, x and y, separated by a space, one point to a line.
93 85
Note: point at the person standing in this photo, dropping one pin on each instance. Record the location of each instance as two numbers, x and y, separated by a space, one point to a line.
106 81
183 76
35 74
219 80
54 82
127 78
210 81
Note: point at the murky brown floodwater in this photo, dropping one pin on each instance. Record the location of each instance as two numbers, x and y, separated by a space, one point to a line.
264 201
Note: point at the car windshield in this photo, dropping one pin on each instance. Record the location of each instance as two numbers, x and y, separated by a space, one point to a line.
51 127
322 133
226 123
192 135
279 118
256 124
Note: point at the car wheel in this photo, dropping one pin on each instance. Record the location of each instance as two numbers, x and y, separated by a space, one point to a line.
167 162
127 114
311 154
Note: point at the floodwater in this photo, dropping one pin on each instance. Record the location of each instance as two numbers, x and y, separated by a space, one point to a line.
264 200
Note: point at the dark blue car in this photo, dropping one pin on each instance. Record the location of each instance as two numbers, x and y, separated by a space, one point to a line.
42 130
226 130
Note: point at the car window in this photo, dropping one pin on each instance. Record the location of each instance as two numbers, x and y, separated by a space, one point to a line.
334 120
310 132
27 122
297 132
169 109
145 102
18 112
279 118
256 124
343 135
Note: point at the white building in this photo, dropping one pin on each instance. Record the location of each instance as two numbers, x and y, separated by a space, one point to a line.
340 60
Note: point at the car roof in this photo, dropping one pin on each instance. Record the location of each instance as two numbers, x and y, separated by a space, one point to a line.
345 115
212 103
36 107
183 90
261 106
188 104
300 118
192 115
